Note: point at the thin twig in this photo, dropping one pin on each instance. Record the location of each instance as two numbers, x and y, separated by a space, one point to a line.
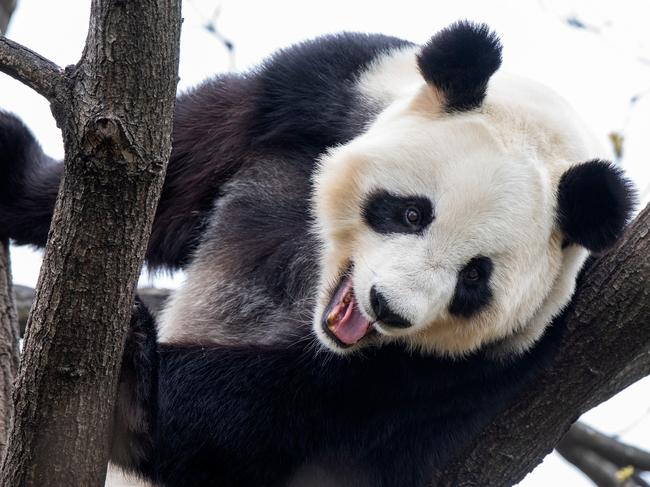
30 68
210 25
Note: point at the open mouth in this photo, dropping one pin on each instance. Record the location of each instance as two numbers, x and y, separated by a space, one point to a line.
342 319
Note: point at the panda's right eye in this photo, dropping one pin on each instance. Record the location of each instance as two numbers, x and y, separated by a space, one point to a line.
472 274
386 212
472 292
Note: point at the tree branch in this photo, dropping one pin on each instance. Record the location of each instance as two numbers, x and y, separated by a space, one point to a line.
30 68
606 348
601 471
603 458
621 454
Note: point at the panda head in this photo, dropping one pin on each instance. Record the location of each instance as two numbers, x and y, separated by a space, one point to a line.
462 215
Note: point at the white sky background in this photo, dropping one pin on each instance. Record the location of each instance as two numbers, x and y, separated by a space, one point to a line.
598 69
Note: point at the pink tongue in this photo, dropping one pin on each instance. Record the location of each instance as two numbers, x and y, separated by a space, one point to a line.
353 326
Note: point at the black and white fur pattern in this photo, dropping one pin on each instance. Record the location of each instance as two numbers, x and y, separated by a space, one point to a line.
285 179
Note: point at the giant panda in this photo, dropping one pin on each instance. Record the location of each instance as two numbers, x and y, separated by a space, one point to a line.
376 237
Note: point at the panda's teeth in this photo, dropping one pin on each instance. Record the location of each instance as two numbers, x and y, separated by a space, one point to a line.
339 311
339 303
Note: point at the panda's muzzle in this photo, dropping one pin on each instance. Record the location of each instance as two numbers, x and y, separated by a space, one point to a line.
384 313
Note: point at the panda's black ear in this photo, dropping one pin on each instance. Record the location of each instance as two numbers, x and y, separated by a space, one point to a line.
458 61
595 201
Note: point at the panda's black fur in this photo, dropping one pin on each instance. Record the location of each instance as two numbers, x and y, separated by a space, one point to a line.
256 415
469 55
238 184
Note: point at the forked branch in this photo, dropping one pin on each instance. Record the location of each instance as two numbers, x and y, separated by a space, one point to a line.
30 68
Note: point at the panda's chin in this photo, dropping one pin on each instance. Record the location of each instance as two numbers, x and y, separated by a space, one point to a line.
342 320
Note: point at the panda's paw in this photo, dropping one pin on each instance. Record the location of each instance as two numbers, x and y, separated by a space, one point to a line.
141 338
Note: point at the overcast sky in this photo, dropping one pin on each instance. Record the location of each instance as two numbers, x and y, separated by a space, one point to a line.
594 53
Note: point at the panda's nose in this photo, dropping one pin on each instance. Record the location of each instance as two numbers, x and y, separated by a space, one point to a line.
383 312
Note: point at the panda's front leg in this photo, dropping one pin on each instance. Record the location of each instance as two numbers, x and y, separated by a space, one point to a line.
29 183
134 415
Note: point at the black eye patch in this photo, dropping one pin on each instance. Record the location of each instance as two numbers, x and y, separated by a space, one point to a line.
386 212
473 291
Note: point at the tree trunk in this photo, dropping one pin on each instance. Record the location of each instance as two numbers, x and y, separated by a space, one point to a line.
115 110
8 345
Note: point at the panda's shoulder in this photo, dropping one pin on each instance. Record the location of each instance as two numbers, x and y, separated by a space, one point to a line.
306 95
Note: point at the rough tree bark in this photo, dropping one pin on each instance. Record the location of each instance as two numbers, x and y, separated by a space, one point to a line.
9 335
607 348
114 108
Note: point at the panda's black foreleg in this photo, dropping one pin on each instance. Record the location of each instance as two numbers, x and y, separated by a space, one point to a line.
29 182
135 408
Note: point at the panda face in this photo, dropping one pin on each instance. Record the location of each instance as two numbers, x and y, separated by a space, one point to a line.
440 230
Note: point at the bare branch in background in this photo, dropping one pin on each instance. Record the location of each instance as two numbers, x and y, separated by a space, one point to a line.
602 472
607 461
210 25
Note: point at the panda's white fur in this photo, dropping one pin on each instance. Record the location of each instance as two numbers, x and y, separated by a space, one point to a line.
492 174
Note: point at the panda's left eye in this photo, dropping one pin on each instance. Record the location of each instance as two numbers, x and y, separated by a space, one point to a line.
412 216
387 212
